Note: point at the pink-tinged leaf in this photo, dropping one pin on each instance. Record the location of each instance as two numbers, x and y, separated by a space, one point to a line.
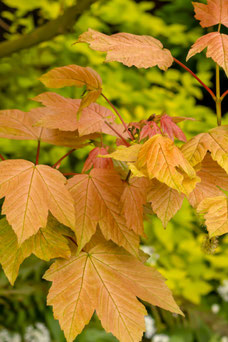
215 12
131 203
60 113
30 191
129 49
171 129
217 47
213 178
149 130
75 75
18 125
165 201
95 161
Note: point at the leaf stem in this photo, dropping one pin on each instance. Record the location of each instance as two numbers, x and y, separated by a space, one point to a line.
63 157
128 176
38 152
69 173
119 135
197 78
119 116
224 95
1 157
218 97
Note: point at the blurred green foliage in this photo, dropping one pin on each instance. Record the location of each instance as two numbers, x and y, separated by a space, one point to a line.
193 275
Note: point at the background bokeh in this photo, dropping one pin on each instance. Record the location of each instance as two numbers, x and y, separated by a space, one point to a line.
197 275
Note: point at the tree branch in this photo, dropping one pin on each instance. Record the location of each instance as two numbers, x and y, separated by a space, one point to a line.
48 31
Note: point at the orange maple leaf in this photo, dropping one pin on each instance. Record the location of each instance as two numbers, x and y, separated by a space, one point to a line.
18 125
129 49
215 141
164 200
60 113
160 158
216 214
100 275
215 12
75 75
216 44
98 197
213 178
30 191
131 202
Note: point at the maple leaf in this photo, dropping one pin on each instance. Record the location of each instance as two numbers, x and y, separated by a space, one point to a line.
123 153
168 126
93 160
129 49
149 130
216 44
75 75
215 12
107 279
165 201
216 214
215 141
131 202
98 196
48 243
11 255
213 177
18 125
160 158
60 113
30 191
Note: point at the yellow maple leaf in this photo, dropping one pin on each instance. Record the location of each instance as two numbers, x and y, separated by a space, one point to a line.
216 214
159 158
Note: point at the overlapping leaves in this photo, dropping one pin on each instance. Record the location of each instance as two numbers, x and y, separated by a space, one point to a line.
104 203
75 75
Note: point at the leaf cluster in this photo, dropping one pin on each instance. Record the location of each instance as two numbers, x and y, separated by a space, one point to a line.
91 223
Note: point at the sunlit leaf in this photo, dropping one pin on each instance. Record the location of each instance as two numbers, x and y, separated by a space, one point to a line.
215 141
99 280
160 158
75 75
30 191
215 12
217 46
129 49
216 214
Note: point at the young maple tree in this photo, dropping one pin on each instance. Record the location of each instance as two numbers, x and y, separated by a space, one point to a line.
91 222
